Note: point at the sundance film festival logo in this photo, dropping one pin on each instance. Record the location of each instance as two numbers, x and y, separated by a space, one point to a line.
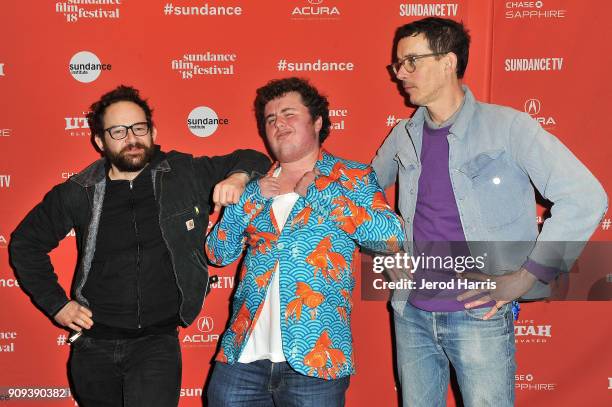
206 337
527 382
527 332
315 10
337 117
203 121
533 107
204 64
86 67
7 341
73 10
533 64
531 10
429 10
77 126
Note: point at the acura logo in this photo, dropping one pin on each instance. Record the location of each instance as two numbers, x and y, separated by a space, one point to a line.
532 106
205 324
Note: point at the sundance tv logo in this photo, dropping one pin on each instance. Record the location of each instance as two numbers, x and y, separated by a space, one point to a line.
533 107
5 181
533 64
531 10
86 67
429 10
224 282
315 10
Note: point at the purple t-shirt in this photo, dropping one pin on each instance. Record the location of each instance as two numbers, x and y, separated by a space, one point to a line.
437 224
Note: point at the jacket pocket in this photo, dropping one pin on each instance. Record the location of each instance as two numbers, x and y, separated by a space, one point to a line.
497 187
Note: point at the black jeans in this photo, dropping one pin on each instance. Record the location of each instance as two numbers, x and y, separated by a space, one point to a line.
143 371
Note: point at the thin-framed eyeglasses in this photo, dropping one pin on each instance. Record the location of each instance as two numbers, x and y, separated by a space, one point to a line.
120 131
409 62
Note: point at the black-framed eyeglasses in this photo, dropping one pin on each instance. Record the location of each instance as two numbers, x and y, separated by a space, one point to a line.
409 62
120 131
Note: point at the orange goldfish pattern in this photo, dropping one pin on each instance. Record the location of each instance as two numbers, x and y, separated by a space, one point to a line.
305 296
322 355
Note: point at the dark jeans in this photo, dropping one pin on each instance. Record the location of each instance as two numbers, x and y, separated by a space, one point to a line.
266 384
143 371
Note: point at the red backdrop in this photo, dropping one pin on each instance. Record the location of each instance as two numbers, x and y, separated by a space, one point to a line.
550 58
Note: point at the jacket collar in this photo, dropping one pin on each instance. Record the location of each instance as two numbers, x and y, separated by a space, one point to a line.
461 124
323 155
96 172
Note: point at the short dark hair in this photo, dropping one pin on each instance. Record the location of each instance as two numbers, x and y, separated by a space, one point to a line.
121 93
443 35
317 104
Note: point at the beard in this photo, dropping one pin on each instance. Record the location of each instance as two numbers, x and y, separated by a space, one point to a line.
131 163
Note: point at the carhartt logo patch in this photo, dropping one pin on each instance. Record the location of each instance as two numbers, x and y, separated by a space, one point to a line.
190 224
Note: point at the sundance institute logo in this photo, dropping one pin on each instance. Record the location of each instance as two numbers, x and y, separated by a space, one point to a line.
203 121
86 67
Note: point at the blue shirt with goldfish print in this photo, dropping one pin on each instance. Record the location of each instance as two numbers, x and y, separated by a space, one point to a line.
317 251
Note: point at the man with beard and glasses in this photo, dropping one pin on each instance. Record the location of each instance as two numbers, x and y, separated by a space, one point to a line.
140 217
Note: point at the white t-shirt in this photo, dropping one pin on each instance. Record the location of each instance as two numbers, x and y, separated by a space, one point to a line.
266 341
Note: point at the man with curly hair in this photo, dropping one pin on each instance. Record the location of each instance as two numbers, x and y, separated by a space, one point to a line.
289 339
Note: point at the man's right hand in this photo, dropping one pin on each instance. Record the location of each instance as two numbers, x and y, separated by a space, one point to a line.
74 316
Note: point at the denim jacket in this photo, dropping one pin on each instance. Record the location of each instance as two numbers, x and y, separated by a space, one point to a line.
496 157
316 251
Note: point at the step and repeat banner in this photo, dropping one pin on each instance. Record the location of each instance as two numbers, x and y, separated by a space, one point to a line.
196 60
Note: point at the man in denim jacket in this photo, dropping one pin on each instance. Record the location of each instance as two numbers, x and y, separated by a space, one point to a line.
466 174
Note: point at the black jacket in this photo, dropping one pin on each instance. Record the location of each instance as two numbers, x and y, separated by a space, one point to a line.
182 185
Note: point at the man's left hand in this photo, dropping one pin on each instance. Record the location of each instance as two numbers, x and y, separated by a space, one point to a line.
507 288
229 190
